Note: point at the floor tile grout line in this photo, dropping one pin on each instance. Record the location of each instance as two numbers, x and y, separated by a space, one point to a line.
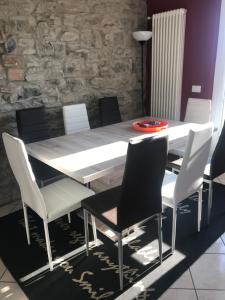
222 290
3 274
201 289
212 253
7 281
222 240
215 253
185 288
192 279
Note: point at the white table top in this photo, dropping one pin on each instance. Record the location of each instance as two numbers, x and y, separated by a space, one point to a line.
94 153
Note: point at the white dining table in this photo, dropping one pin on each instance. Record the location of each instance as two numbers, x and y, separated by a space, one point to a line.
92 154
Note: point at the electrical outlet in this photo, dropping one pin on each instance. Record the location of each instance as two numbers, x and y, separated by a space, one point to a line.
196 89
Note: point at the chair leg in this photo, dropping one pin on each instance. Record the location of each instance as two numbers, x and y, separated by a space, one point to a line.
159 218
42 183
86 230
94 230
69 218
174 224
199 209
210 201
48 245
26 222
88 185
120 257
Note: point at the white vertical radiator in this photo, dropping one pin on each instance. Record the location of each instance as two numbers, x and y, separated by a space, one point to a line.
168 37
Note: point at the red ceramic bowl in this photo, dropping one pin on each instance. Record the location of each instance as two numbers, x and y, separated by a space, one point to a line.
150 125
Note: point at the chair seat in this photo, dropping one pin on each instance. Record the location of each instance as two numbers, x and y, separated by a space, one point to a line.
207 170
115 177
168 188
178 147
109 181
44 172
63 196
176 164
104 206
98 187
178 151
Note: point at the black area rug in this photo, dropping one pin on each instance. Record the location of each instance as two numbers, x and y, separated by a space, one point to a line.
96 276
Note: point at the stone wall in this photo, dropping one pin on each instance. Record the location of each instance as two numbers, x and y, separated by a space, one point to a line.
55 52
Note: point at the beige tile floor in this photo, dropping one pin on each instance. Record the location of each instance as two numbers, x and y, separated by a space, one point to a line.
204 280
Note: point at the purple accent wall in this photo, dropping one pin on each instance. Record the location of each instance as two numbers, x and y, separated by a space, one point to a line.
200 44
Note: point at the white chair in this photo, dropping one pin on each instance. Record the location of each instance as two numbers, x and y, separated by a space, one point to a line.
51 201
75 118
198 111
176 188
214 170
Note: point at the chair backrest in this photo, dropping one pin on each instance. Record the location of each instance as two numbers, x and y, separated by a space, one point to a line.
198 111
142 181
190 177
217 165
109 111
75 118
18 159
32 124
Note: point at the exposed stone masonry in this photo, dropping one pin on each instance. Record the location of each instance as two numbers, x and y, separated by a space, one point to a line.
55 52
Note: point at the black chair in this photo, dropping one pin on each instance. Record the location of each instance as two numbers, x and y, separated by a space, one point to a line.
109 111
33 127
216 167
138 198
